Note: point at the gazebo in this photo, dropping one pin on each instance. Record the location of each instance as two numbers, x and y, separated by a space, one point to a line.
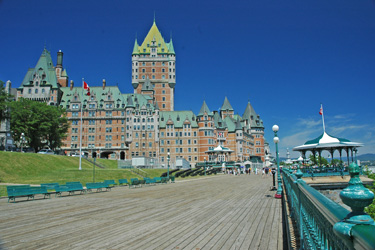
330 144
220 153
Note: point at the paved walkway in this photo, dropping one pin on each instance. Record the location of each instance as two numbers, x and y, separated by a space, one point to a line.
220 212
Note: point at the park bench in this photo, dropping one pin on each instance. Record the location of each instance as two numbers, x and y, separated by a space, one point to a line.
25 191
123 182
134 182
95 185
172 179
157 180
110 183
49 186
70 187
164 180
149 181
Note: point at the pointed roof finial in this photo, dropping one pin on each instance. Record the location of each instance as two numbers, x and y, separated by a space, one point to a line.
154 16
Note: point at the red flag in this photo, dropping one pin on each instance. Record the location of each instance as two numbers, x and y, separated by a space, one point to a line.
86 86
321 110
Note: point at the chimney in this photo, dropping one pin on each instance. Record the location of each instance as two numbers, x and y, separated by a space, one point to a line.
103 84
71 84
59 59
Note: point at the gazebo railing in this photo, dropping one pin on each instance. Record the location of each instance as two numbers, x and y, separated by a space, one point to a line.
324 224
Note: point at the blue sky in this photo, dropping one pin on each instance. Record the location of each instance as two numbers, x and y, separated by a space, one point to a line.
285 57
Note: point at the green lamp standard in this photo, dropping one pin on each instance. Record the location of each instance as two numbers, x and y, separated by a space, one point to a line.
168 158
22 140
205 164
276 140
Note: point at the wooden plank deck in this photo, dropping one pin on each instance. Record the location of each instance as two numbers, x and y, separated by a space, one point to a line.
220 212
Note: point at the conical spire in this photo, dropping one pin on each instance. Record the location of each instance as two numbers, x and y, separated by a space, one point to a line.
135 48
170 47
238 124
204 109
156 105
226 105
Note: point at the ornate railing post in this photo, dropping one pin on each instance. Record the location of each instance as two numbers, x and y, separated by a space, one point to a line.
357 197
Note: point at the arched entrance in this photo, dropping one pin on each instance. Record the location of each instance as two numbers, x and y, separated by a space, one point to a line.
108 155
94 155
122 155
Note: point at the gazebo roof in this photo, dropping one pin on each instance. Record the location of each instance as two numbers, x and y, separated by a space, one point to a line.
220 149
326 141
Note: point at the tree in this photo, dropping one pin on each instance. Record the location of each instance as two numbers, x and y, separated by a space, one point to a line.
318 160
5 98
42 124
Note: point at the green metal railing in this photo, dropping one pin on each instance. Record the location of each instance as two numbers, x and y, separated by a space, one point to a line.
323 224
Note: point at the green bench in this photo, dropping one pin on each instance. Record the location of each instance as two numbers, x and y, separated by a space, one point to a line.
110 183
135 182
157 180
123 182
49 186
25 191
70 187
149 181
95 185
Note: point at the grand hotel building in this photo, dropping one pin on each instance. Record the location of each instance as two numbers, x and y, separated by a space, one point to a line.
122 126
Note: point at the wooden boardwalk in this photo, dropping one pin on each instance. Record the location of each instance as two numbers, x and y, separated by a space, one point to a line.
220 212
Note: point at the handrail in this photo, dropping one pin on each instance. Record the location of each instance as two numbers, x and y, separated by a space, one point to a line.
322 223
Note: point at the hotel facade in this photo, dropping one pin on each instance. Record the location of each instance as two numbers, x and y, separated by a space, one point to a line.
124 126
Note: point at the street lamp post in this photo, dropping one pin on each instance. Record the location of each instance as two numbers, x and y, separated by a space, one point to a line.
168 157
205 164
93 170
276 140
22 139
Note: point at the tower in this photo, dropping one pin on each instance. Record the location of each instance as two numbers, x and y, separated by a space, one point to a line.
43 83
155 60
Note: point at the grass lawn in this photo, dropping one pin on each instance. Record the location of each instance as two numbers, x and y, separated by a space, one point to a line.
31 168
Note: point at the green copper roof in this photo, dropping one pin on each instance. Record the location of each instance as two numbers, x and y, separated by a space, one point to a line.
219 123
147 86
44 70
204 109
329 139
238 124
110 93
252 117
226 105
64 73
178 118
171 49
135 48
231 125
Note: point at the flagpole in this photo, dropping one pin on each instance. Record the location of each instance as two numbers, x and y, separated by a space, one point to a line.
321 108
80 132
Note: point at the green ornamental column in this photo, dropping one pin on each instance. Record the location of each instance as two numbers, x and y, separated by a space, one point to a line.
357 197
